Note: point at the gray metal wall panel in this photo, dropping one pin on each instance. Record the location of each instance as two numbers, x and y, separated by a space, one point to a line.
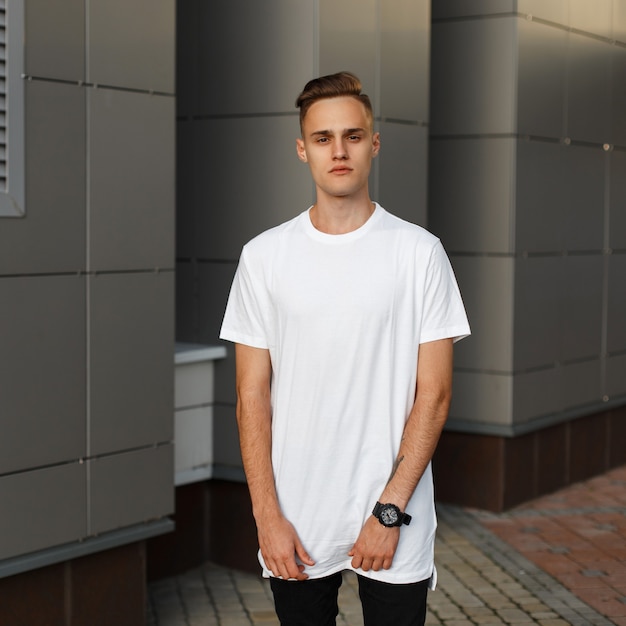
404 59
347 36
187 55
589 90
618 95
225 379
131 191
213 282
403 171
615 375
276 188
537 393
541 184
541 84
537 322
226 452
42 508
55 36
616 317
582 385
131 360
132 45
579 290
617 199
42 343
558 310
487 288
482 397
269 51
131 488
186 308
560 196
51 237
189 179
471 185
474 92
453 8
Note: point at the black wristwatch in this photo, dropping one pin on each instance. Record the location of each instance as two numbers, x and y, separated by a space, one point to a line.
390 515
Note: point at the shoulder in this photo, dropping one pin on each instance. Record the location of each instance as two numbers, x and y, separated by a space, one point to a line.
408 232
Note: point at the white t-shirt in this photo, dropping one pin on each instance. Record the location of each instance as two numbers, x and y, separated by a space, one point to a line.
342 317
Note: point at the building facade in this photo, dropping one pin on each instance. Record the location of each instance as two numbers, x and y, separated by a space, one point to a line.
157 137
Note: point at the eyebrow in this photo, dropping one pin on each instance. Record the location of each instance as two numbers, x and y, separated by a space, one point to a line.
347 131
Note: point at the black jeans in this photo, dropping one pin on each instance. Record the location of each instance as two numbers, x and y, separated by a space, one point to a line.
314 602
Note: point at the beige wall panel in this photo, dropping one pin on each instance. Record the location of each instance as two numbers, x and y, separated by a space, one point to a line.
554 11
404 59
55 39
132 45
42 368
131 488
42 508
132 178
131 366
51 236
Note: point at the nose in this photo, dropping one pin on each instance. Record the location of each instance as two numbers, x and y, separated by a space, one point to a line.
340 151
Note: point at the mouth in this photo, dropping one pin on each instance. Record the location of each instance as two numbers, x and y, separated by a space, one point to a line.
341 169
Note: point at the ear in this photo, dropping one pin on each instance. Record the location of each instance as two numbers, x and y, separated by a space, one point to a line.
301 150
375 144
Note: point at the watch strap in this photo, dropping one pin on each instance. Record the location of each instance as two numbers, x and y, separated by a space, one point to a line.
403 518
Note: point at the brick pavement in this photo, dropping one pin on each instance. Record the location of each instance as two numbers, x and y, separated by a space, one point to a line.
556 561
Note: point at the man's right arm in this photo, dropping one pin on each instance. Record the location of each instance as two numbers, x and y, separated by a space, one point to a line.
278 539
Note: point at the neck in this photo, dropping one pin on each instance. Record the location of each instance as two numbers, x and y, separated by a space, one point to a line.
338 216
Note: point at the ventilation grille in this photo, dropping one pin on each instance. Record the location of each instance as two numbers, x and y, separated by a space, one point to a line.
3 94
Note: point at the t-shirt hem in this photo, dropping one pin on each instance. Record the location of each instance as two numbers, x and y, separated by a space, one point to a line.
246 340
456 333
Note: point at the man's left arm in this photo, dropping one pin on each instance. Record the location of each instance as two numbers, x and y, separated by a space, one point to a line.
376 544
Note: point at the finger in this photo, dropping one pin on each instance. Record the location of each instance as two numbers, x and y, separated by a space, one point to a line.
303 555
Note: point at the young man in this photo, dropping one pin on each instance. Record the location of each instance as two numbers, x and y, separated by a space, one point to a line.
344 320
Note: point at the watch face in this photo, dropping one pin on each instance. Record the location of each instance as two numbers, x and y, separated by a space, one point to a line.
389 515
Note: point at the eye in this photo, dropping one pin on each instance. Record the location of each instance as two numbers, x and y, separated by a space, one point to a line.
323 140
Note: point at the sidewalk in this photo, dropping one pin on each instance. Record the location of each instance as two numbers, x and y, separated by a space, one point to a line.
557 560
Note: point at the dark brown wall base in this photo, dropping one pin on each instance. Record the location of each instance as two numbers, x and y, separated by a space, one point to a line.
213 523
100 589
497 473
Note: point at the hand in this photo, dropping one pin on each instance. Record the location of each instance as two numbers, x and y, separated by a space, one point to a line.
375 546
280 545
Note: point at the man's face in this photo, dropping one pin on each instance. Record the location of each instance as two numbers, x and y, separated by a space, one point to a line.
339 144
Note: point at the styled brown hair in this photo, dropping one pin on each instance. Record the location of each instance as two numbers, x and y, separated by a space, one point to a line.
332 86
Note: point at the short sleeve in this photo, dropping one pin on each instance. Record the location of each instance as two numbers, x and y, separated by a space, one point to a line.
443 313
247 319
